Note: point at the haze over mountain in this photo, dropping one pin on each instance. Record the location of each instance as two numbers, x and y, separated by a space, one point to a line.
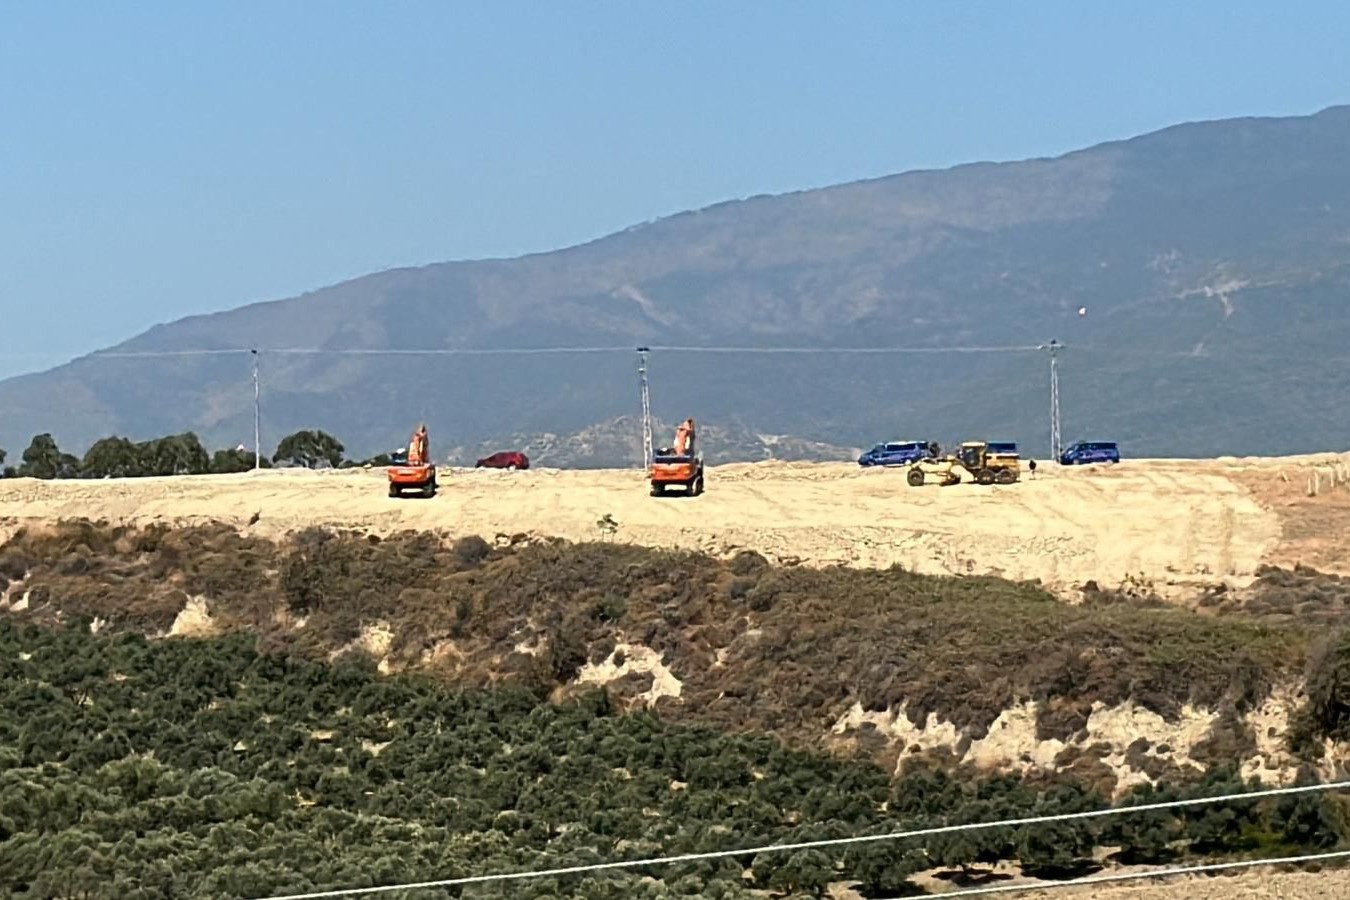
1213 259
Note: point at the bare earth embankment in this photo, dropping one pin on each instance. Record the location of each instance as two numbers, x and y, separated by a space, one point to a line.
1175 523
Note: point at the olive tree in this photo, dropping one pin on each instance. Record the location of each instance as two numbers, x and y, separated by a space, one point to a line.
43 459
308 448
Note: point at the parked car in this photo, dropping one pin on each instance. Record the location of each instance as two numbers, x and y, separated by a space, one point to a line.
1085 452
506 459
898 453
1008 448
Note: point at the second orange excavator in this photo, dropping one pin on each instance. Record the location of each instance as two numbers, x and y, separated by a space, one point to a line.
678 466
418 472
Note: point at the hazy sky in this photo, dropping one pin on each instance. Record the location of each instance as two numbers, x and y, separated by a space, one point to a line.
162 159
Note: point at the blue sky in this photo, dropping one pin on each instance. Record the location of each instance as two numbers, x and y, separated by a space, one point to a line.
163 159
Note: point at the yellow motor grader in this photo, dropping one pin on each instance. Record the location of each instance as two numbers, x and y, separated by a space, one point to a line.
983 465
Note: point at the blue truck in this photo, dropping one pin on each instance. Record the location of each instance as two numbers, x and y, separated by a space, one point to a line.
1082 453
898 453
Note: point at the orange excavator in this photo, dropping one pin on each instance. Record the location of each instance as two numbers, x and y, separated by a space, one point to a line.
418 472
678 466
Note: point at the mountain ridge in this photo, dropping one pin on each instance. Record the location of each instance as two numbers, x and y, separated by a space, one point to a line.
1198 235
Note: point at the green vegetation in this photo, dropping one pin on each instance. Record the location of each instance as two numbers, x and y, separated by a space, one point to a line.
309 448
756 648
43 459
178 454
1281 596
137 768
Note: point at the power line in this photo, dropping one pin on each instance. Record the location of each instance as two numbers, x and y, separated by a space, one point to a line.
824 842
1012 348
436 351
528 351
151 354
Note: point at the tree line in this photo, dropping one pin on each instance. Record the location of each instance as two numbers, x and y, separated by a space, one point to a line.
175 454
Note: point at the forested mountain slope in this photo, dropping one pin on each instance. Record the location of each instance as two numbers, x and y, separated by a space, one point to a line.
1213 259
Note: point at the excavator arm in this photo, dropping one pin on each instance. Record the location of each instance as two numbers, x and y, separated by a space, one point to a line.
684 438
417 448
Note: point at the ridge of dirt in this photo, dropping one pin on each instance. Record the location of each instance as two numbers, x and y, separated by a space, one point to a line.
1174 524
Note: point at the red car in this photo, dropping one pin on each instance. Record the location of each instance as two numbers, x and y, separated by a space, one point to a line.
506 459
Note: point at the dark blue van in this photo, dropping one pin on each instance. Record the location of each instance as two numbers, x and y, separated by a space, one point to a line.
897 453
1084 452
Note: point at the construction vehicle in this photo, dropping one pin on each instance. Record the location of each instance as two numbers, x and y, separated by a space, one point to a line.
678 466
898 453
1082 453
973 457
417 472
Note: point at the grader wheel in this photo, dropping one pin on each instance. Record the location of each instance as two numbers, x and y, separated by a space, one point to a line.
984 476
915 477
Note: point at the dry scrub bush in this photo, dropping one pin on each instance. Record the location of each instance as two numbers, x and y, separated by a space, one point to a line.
1326 714
471 550
797 646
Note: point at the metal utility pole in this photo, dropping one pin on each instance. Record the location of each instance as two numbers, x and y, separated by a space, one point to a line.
1054 347
257 416
646 409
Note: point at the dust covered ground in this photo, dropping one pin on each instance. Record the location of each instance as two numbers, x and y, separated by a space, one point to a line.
1173 523
1252 885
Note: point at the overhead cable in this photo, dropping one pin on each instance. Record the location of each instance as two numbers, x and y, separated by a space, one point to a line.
824 842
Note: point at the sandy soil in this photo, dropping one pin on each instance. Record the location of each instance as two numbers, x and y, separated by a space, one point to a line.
1251 885
1170 522
1262 883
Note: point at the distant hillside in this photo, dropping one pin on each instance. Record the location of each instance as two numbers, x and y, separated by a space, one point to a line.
1213 259
617 444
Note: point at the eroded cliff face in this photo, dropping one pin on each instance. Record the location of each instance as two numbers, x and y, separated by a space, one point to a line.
1127 689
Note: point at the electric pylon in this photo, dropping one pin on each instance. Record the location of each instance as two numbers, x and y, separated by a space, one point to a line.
257 416
646 409
1054 347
